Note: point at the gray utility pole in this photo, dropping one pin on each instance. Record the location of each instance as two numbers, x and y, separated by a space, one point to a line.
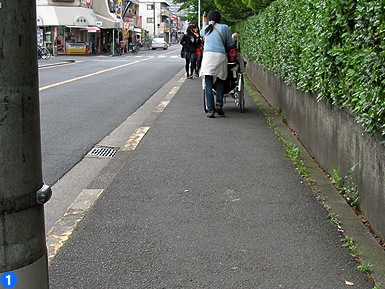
23 253
153 6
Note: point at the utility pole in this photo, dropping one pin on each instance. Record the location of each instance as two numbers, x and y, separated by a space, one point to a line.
199 14
153 6
23 253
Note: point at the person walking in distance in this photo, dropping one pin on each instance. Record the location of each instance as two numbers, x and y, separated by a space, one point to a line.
198 51
214 63
190 42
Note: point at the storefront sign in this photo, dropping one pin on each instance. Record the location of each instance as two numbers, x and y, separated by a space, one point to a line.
118 11
81 21
39 21
39 37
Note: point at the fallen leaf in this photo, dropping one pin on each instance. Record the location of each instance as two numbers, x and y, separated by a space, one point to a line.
348 283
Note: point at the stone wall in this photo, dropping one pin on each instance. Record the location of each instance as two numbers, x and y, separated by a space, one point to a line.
333 138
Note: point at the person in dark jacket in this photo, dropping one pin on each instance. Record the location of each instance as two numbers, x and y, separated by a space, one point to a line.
190 43
198 51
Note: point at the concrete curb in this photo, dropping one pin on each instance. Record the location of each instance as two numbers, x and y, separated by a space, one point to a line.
86 192
62 62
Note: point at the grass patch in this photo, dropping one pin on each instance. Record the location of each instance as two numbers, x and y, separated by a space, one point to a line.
345 186
348 242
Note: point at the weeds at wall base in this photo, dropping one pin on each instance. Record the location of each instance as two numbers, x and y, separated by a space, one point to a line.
293 152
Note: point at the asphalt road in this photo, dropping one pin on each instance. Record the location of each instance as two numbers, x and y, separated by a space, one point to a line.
84 101
91 101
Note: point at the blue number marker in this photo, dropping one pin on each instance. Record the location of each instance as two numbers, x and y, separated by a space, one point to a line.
8 280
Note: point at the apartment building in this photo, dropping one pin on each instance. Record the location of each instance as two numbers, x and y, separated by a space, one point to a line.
156 18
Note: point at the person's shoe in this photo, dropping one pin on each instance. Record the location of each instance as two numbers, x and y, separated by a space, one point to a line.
210 114
219 110
190 77
196 74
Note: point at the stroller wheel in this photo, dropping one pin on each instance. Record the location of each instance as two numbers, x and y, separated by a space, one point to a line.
236 98
241 91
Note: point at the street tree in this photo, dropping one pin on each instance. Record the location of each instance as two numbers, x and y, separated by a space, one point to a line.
231 10
191 8
257 5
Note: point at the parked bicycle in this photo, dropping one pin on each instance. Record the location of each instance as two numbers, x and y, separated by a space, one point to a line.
134 47
118 50
43 53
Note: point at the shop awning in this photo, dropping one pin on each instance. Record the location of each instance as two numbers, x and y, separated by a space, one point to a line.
46 16
109 22
93 29
75 16
65 16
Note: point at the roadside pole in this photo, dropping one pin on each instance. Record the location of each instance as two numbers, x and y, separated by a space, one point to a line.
23 253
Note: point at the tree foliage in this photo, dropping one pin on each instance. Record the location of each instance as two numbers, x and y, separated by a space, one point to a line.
257 5
232 10
191 8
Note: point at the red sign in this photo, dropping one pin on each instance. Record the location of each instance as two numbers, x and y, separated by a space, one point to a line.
89 3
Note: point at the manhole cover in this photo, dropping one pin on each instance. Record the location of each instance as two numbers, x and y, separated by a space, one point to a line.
102 152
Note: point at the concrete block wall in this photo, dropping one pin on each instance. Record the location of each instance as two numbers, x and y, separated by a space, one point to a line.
333 138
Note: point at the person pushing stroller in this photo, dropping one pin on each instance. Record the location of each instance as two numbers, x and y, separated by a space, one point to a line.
214 63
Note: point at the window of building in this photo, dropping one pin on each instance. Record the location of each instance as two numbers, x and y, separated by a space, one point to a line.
112 4
150 20
150 6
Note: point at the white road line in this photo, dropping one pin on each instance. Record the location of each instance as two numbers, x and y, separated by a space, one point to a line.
91 74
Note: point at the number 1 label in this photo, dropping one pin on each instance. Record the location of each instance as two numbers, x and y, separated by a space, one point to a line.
8 280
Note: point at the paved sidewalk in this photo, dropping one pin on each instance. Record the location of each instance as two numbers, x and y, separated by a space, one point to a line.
205 203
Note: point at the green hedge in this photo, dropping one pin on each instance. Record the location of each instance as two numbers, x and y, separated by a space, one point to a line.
333 48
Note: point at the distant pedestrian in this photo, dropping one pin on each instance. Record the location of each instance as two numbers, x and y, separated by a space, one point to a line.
190 42
214 62
198 51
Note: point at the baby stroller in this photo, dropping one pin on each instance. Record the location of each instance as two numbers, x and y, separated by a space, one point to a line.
234 86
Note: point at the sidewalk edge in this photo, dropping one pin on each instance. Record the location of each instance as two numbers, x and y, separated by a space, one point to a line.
352 226
63 228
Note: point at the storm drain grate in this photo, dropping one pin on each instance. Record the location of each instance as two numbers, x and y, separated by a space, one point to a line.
102 152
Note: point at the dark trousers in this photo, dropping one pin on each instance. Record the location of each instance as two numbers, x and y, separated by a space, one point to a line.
199 62
190 65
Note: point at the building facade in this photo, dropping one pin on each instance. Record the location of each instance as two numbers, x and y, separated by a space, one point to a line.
178 26
156 18
86 26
